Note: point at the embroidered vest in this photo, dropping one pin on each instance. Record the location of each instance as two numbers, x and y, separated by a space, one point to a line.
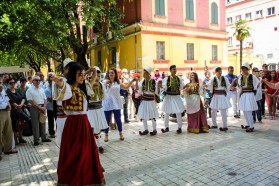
98 91
173 86
215 82
195 90
149 86
75 103
249 80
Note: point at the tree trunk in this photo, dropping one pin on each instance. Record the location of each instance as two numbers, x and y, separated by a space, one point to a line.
240 56
82 60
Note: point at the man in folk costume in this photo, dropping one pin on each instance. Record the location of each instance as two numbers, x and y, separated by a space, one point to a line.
95 113
248 84
172 102
61 116
219 86
147 109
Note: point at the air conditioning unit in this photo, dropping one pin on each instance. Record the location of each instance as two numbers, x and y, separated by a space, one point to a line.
95 41
109 35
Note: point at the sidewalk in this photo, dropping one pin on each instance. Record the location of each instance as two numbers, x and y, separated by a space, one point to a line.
217 158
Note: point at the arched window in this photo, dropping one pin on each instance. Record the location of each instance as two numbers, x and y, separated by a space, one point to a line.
189 10
214 13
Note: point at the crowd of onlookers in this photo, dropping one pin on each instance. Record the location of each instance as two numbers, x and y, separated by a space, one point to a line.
26 103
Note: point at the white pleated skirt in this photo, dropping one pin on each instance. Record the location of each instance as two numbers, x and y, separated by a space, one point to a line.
60 123
172 104
97 119
219 102
148 110
248 102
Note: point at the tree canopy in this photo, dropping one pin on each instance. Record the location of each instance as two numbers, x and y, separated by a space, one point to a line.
44 29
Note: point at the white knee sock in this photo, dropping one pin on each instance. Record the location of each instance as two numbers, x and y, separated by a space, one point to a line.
166 120
214 116
144 121
154 124
179 120
224 117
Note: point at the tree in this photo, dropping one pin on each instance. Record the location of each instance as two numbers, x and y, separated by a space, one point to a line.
55 27
242 31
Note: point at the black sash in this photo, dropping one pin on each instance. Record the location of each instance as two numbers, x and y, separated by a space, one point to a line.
95 105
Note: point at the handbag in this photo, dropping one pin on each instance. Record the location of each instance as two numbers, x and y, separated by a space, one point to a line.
21 124
43 117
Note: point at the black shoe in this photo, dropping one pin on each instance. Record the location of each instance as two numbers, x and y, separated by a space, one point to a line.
212 127
36 143
52 136
127 121
179 131
223 128
250 129
236 116
101 150
143 133
165 130
246 127
46 140
22 140
153 133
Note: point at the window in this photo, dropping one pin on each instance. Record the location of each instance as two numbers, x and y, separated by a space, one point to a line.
237 18
214 52
189 10
229 20
271 11
160 46
190 51
269 56
230 41
160 7
228 1
214 13
272 66
113 55
259 13
99 58
248 16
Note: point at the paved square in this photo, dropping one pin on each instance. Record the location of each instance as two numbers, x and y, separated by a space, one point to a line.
215 158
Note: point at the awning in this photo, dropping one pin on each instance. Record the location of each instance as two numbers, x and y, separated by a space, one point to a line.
14 69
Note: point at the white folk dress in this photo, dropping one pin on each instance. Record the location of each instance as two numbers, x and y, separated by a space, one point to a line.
193 101
219 102
248 100
147 109
96 117
172 104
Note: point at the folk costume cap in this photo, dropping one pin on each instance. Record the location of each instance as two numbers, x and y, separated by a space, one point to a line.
67 61
97 69
124 70
148 69
245 65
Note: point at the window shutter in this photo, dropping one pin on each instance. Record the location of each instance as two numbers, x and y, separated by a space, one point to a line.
157 6
162 7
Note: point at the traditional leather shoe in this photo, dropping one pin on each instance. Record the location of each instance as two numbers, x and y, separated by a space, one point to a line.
165 130
250 129
106 138
22 140
46 140
246 127
179 131
143 133
223 128
236 116
36 143
153 133
11 152
212 127
101 150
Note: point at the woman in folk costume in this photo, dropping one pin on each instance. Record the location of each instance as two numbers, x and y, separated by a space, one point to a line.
248 84
172 102
147 109
219 86
95 113
112 103
79 162
194 108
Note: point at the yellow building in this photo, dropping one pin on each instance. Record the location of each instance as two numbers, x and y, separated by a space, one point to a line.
166 32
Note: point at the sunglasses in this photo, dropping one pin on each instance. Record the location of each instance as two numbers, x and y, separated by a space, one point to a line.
11 83
36 80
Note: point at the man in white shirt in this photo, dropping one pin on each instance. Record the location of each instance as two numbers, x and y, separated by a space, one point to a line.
6 131
37 98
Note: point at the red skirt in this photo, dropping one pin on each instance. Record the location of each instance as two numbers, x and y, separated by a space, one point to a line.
197 121
79 162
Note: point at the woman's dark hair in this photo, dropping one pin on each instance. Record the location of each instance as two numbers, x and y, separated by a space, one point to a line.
269 76
22 79
116 75
8 80
196 77
73 70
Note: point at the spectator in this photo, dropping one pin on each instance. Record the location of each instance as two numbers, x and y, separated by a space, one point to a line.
272 95
37 98
17 104
29 83
50 117
125 78
6 76
208 95
43 83
258 113
131 103
5 123
156 75
23 89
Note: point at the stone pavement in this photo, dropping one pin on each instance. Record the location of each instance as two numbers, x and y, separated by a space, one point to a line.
216 158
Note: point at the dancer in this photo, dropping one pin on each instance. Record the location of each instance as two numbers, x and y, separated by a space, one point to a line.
248 84
219 86
95 113
172 102
194 108
147 109
79 162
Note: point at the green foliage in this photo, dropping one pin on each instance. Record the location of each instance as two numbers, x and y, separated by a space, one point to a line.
43 29
242 30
